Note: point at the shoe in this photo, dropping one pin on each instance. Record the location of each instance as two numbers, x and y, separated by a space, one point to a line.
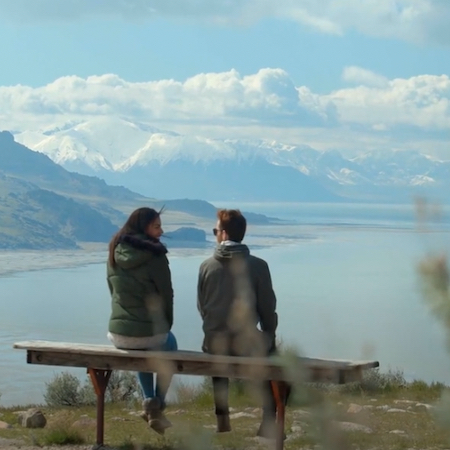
160 424
268 430
223 423
144 416
154 416
150 406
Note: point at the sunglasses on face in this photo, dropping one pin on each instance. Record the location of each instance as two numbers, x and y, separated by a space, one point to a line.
216 231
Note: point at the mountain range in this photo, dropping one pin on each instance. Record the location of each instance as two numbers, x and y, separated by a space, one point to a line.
43 206
164 164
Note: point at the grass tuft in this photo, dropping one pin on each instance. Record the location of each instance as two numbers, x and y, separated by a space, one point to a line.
62 436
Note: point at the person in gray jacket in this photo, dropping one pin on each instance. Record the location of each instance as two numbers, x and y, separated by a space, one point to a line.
235 296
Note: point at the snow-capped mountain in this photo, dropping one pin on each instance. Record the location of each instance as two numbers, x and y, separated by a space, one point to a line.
100 143
162 163
403 168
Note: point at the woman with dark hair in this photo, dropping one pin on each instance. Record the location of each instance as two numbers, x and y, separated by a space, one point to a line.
140 283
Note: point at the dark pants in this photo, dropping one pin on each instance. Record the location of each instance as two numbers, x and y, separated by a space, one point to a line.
231 345
220 388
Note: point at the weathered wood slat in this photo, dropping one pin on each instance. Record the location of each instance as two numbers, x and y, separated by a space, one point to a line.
107 357
100 360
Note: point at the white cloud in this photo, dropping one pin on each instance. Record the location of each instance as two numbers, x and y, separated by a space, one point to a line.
225 11
411 20
266 97
422 101
377 112
359 75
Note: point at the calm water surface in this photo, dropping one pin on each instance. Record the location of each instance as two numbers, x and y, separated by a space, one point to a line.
351 291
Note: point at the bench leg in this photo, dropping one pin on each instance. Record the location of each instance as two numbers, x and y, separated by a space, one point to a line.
279 389
100 380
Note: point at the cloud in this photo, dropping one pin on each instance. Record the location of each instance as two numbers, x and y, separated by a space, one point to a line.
225 11
421 101
372 113
267 97
417 21
359 75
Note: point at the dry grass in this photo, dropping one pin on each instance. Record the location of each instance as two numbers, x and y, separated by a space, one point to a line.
312 424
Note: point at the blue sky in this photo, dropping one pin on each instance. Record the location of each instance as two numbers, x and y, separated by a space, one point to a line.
37 53
313 43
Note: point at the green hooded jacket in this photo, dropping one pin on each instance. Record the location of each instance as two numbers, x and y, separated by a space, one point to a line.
141 288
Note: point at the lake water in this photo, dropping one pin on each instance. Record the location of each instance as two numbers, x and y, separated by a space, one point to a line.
345 277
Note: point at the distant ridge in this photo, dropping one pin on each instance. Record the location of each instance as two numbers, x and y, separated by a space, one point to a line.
162 163
44 206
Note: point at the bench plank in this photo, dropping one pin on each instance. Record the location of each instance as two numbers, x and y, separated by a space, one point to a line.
107 357
100 360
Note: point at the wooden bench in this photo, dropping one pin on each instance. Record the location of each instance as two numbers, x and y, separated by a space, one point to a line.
101 360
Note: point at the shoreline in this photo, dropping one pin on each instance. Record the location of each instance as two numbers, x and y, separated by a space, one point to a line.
14 262
17 262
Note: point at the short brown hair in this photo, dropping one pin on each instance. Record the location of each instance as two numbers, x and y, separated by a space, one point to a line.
233 222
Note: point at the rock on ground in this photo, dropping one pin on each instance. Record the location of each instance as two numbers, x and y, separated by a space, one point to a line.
396 410
4 425
85 422
350 426
353 408
33 418
242 414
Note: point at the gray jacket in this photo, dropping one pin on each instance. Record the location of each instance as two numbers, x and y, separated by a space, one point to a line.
235 294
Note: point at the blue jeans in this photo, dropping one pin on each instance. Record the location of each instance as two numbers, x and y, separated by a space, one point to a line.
162 380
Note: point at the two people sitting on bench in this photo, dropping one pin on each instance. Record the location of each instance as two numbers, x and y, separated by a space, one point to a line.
235 295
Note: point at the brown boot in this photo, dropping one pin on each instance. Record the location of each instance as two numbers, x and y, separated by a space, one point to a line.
223 423
154 415
144 416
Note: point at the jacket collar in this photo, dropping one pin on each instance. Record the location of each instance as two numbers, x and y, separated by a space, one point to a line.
142 242
231 251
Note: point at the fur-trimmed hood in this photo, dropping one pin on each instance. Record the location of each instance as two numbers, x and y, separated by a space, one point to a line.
134 250
143 243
